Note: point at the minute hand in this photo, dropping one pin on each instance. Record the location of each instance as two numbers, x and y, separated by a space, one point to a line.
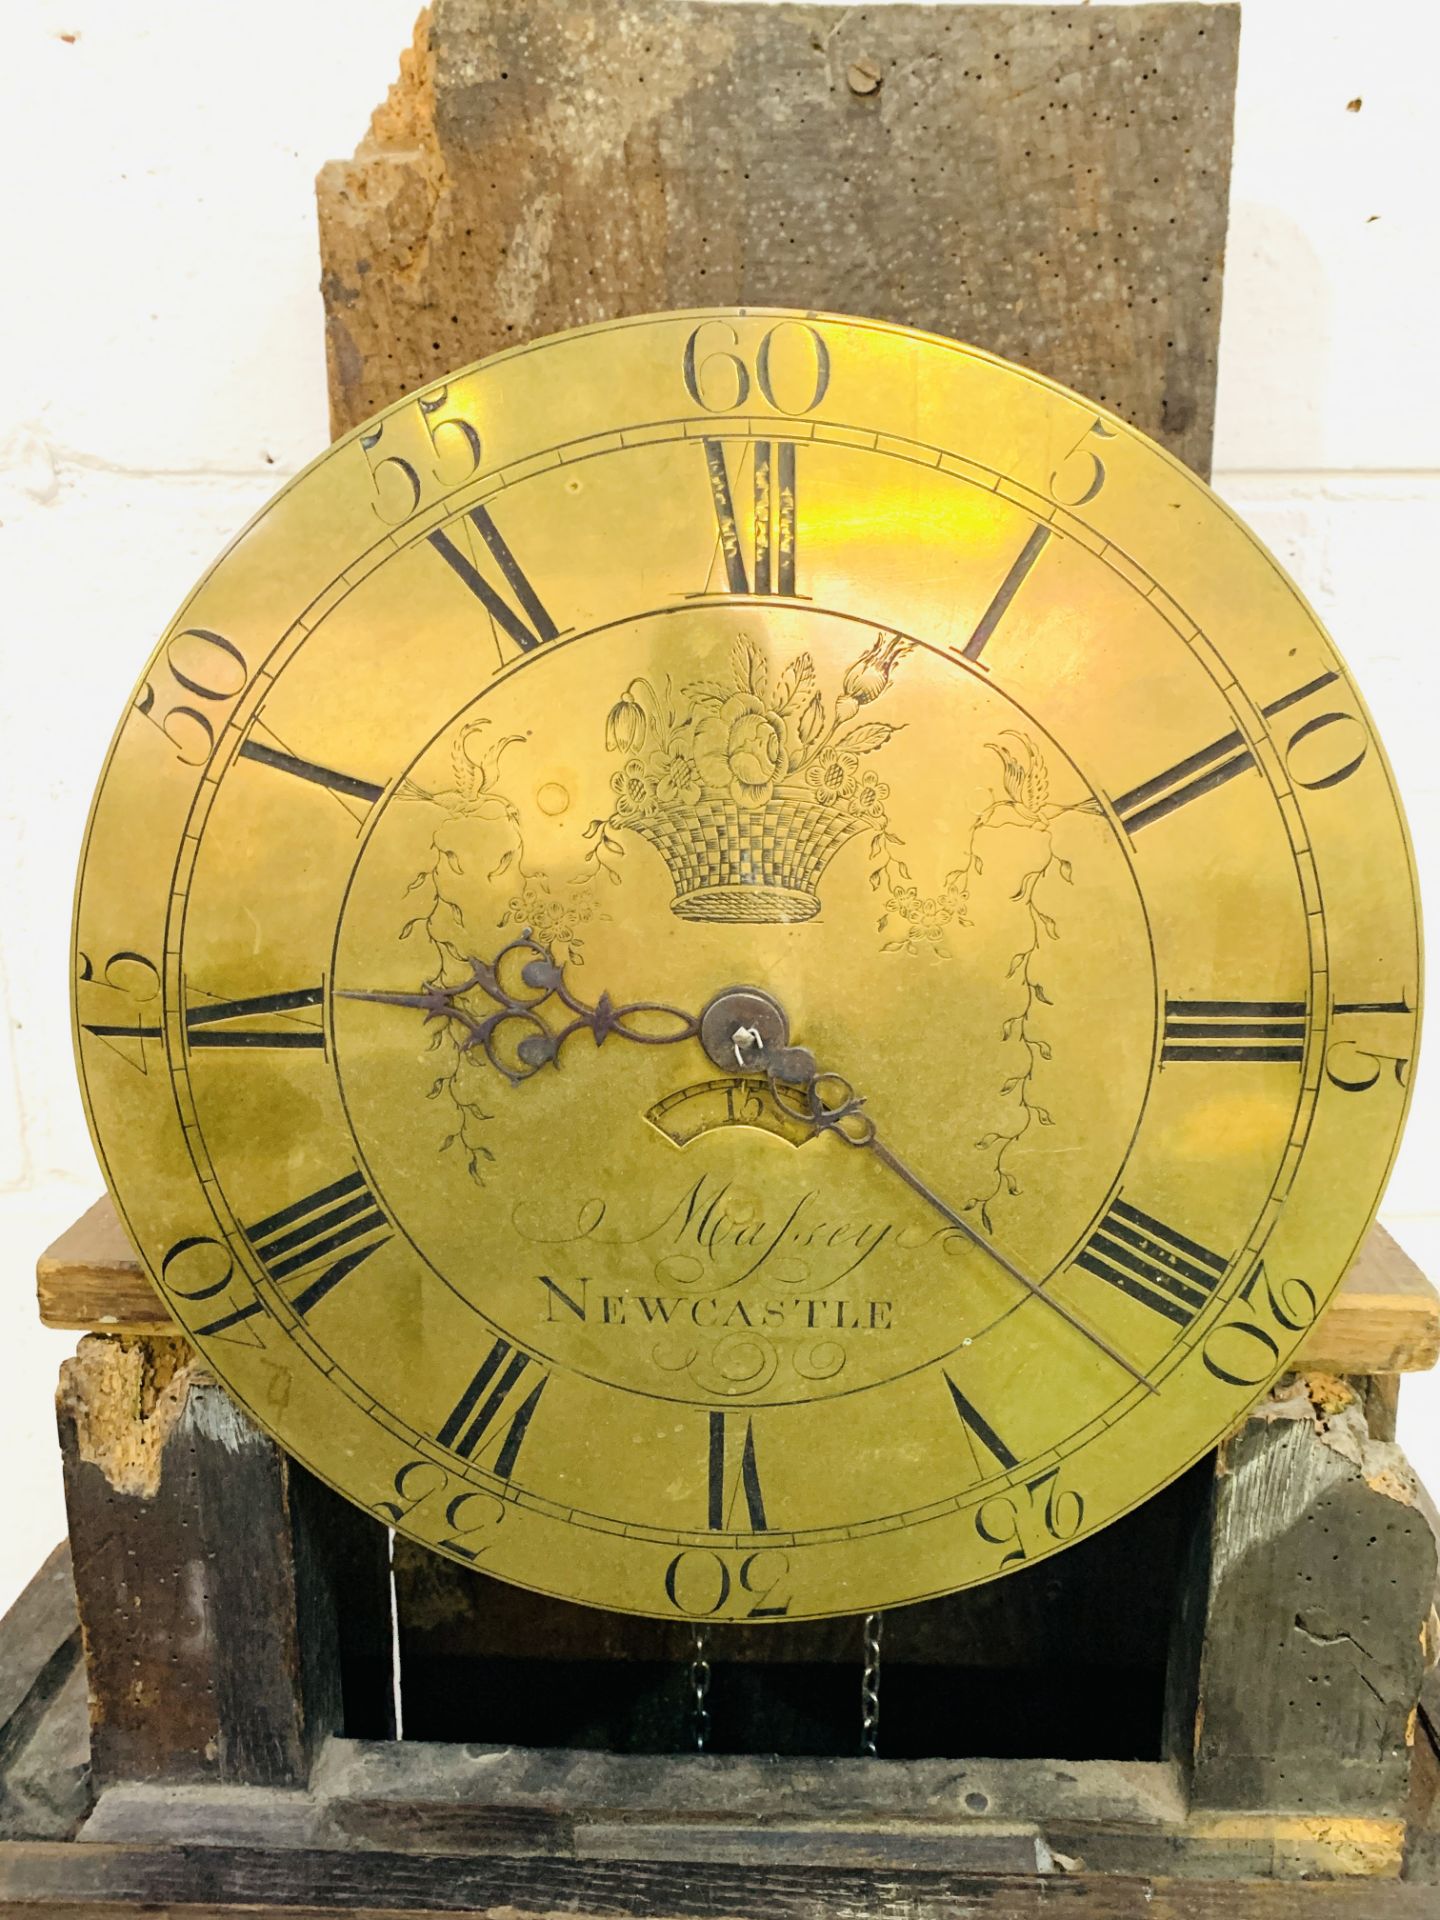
832 1106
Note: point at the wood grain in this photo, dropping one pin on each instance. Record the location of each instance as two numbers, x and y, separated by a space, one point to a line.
1384 1319
219 1586
1322 1567
1050 184
202 1881
44 1731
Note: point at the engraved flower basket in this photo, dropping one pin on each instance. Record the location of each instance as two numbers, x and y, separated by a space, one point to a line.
747 864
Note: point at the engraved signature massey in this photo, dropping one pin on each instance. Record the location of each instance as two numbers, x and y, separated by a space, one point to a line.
712 1239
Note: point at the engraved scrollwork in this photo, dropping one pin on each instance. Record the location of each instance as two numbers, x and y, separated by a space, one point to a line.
736 1363
821 1360
480 830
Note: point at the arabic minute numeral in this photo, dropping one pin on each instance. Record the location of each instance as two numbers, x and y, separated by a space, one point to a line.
1315 757
433 435
465 1521
1241 1349
790 369
1354 1068
703 1582
125 977
195 664
1046 1508
1081 474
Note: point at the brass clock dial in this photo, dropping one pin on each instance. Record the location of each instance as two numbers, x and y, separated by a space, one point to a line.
746 965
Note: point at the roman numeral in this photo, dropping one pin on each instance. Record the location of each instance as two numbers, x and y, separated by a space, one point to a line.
977 1427
1009 587
529 627
1316 685
727 1487
1187 780
503 1395
772 520
344 784
212 1024
1152 1263
1255 1030
333 1229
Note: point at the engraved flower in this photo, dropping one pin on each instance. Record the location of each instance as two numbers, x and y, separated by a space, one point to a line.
741 748
811 723
832 775
870 795
869 676
677 779
631 787
625 725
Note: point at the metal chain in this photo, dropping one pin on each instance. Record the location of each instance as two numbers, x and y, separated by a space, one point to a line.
870 1686
700 1691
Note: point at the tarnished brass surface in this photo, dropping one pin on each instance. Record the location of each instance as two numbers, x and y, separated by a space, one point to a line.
788 653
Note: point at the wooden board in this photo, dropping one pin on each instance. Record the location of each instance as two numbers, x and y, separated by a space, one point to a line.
234 1610
44 1726
208 1882
1384 1319
405 1828
1049 183
1316 1611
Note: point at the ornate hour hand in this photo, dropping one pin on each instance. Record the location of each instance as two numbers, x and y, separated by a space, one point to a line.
525 1026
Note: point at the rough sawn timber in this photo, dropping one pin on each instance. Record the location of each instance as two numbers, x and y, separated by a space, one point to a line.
219 1586
1317 1612
66 1882
1048 183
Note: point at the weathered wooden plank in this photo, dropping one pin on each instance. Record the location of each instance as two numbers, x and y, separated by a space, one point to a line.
201 1881
36 1631
412 1795
1049 183
91 1279
1322 1568
1385 1317
46 1765
1422 1842
44 1729
744 1810
211 1574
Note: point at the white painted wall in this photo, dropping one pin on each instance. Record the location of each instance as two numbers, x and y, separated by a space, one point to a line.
161 373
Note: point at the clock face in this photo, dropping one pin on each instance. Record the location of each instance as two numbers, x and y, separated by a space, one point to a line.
746 965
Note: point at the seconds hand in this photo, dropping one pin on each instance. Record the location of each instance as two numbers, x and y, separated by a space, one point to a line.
743 1028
